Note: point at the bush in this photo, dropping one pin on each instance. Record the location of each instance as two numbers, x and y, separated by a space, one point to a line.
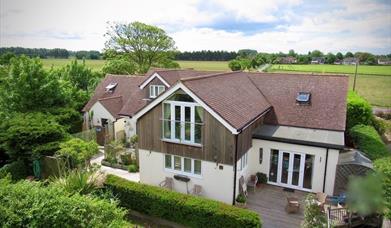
78 181
79 152
313 217
184 209
366 139
383 167
234 65
133 168
17 169
262 178
359 111
30 204
31 135
241 198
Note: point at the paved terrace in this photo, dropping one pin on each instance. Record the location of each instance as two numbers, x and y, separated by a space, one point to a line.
270 201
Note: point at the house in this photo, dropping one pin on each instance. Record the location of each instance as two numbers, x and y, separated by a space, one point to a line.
317 60
349 61
215 130
287 60
383 61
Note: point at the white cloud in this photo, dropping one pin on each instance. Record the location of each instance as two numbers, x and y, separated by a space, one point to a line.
339 26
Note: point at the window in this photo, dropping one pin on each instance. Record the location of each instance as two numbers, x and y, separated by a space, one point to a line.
111 87
243 161
155 90
167 162
182 165
303 97
260 155
182 119
177 163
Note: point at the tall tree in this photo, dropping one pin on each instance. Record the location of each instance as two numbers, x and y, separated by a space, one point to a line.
339 56
145 44
349 55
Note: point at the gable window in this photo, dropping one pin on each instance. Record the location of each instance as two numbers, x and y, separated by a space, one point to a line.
182 119
156 90
182 165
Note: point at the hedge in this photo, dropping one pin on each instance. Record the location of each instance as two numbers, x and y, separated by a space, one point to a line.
383 166
359 111
366 139
30 204
185 209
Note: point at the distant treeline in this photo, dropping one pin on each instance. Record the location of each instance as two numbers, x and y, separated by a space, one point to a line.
206 55
57 53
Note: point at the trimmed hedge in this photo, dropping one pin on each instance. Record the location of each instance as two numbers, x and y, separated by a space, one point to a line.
31 204
368 141
184 209
359 111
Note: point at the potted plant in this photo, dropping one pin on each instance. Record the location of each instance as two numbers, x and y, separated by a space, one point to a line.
241 200
262 179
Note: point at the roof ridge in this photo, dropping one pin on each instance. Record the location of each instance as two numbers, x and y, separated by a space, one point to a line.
108 98
208 76
125 75
300 74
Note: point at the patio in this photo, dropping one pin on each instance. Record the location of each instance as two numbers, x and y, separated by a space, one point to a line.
270 201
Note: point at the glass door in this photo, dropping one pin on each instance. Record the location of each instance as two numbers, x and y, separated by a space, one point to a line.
292 169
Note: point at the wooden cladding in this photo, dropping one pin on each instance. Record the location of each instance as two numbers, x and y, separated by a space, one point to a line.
218 143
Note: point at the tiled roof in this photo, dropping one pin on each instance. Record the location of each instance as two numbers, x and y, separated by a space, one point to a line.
328 99
232 95
126 89
171 76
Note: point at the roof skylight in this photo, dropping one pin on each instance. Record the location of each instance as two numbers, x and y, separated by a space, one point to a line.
303 97
111 86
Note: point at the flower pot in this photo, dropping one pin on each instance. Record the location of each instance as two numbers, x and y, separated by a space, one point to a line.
241 205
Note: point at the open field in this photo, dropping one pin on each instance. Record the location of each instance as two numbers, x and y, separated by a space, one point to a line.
375 88
338 69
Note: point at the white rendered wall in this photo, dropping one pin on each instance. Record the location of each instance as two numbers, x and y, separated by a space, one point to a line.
100 112
216 184
130 127
319 161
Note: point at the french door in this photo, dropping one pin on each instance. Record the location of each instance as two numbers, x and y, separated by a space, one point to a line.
290 169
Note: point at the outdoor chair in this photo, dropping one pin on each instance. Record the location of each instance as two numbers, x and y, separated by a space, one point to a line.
252 182
197 190
321 200
242 186
167 183
293 205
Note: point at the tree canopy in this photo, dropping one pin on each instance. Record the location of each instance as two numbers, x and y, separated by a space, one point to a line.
146 45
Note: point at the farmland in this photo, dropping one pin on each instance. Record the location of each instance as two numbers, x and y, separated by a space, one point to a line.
373 82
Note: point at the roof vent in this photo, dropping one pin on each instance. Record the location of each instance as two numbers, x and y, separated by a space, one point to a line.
111 87
303 98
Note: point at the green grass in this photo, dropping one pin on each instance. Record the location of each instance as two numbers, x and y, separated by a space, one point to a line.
205 65
57 63
338 69
375 88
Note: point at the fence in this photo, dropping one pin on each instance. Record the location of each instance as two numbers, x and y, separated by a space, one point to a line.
52 166
88 135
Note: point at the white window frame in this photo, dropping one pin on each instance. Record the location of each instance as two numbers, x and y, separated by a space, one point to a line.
182 171
156 90
243 162
182 105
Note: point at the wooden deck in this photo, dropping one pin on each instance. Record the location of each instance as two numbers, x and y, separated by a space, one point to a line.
270 201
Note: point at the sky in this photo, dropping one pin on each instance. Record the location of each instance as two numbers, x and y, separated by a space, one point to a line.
266 26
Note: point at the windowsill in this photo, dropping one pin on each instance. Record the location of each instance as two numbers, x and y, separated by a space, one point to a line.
183 173
181 142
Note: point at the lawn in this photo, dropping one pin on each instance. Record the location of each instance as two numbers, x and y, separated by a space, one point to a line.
339 69
375 88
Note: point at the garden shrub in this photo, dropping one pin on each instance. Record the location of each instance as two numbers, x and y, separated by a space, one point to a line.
188 210
262 178
383 167
313 216
18 170
78 181
380 125
30 204
368 141
78 151
133 168
359 111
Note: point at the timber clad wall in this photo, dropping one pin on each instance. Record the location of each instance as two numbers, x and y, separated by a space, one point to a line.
245 139
218 143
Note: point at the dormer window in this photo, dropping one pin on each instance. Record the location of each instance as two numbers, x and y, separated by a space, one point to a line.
111 87
156 90
303 98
